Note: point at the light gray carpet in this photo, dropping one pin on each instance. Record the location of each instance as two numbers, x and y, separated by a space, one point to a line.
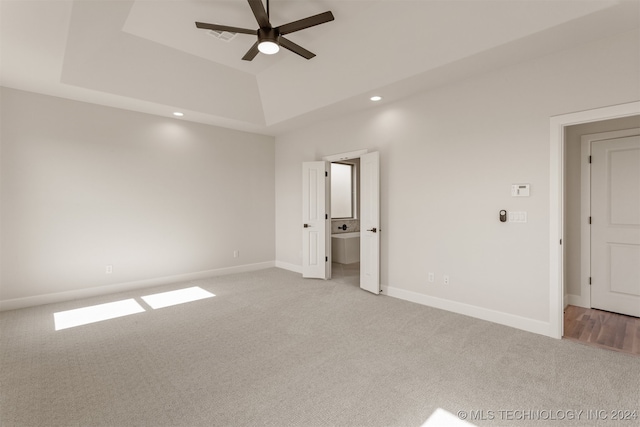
273 349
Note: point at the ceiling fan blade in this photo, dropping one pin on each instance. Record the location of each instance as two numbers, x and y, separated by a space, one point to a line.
216 27
288 44
251 53
301 24
261 15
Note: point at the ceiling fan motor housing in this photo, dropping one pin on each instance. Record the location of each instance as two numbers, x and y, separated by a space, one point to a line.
268 35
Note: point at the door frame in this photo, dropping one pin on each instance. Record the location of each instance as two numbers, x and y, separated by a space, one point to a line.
556 197
350 156
585 206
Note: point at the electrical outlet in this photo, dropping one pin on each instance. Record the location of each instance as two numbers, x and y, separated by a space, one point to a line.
236 253
108 269
432 277
445 279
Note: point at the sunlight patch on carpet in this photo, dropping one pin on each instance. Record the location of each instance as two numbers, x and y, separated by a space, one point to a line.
181 296
96 313
442 418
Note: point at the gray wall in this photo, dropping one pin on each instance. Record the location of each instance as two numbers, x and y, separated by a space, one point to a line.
573 220
85 186
448 159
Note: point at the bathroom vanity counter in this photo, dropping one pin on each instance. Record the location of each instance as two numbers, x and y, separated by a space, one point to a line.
345 247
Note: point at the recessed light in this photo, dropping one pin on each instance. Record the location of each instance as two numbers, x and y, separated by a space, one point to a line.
375 98
178 114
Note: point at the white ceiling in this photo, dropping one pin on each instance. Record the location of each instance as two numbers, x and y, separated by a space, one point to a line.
147 55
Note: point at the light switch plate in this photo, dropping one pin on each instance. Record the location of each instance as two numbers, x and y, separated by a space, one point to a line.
517 217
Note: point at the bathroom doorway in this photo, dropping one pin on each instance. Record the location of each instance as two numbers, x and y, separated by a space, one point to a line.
317 219
345 221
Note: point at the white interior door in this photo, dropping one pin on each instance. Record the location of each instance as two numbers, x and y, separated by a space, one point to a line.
316 224
370 222
615 225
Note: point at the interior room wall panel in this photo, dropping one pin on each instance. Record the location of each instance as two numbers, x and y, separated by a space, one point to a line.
86 186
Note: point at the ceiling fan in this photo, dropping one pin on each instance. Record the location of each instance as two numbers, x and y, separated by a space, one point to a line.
271 38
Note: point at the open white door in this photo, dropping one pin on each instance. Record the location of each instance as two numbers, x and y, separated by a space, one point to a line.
370 222
316 224
615 226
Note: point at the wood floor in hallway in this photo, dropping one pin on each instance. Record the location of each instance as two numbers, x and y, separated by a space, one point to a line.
602 329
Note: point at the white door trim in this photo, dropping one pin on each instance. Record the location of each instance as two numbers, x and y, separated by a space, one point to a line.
345 156
556 195
584 300
358 154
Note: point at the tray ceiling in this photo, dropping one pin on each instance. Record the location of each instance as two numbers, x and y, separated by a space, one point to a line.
149 56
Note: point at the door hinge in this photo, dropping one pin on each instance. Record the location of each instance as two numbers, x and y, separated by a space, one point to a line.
589 159
589 220
560 241
326 259
326 216
326 174
589 280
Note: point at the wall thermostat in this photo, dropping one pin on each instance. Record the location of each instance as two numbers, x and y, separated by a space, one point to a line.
520 190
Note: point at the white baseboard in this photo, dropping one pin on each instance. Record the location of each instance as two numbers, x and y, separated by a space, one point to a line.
290 267
518 322
576 300
13 304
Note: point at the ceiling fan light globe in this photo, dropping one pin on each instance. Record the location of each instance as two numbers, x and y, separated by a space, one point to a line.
268 47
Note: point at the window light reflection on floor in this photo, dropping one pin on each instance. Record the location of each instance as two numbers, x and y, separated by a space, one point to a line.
443 418
96 313
167 299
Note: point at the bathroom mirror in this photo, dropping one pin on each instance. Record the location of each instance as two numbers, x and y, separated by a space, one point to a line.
343 177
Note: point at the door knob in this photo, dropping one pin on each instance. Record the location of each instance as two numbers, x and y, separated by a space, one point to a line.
305 225
373 230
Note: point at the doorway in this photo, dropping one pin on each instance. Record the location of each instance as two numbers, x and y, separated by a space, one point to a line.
557 126
584 258
316 222
569 283
345 221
